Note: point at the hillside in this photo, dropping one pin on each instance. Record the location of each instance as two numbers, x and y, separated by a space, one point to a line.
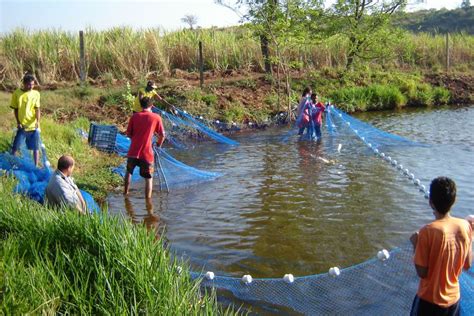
438 21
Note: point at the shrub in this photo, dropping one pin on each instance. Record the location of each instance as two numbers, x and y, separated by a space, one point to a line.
441 95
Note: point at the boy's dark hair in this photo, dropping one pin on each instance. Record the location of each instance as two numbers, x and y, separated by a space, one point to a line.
306 91
313 96
27 78
442 194
65 162
145 102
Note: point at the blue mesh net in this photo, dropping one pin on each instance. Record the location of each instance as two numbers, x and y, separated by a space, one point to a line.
171 172
32 181
370 134
373 287
182 124
174 174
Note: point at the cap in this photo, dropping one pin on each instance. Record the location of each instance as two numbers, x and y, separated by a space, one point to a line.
150 83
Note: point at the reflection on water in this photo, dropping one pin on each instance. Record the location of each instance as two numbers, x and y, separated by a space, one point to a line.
298 207
149 218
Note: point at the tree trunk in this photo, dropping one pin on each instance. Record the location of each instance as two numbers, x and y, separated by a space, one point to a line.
265 53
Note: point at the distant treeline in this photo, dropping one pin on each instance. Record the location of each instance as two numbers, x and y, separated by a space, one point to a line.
438 21
124 53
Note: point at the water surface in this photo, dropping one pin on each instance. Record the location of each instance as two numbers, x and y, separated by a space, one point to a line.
280 208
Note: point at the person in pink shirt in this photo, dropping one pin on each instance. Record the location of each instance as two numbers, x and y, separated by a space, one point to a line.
141 128
302 116
317 110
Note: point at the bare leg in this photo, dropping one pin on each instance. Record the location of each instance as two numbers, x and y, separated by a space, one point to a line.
35 157
148 187
126 182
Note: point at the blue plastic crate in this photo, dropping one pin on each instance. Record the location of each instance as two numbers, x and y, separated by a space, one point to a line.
103 137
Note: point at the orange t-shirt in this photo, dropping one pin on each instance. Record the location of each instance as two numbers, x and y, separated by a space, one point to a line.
443 247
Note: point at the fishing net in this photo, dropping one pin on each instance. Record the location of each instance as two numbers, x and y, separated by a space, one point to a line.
171 173
32 180
386 283
174 173
184 126
368 133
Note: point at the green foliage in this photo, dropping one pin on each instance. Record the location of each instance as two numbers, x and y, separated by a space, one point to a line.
438 21
235 112
210 99
199 102
83 92
424 95
246 83
122 98
373 97
63 263
127 98
366 25
441 95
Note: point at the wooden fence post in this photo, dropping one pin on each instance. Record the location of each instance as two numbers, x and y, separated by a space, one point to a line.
201 66
447 52
82 64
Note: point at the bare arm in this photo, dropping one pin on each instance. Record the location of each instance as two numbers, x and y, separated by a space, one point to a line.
160 140
38 116
414 240
15 111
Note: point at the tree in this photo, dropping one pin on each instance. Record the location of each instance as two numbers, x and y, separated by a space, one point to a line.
283 26
465 4
366 25
190 20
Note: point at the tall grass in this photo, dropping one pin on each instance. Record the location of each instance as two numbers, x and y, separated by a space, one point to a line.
65 263
124 53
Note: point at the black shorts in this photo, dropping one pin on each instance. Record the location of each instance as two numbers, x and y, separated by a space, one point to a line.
421 308
146 168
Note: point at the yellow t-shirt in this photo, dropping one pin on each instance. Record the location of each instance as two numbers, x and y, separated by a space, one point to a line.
26 102
149 94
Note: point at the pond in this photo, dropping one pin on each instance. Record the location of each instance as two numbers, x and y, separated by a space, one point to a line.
301 208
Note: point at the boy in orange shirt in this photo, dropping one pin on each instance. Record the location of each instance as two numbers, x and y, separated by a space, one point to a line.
443 249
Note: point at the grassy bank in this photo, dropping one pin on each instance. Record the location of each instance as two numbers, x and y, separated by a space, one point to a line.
124 53
367 89
93 168
63 263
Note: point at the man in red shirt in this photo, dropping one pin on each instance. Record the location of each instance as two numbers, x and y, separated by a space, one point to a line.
141 127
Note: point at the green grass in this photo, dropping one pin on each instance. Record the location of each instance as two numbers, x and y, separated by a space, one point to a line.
93 168
65 263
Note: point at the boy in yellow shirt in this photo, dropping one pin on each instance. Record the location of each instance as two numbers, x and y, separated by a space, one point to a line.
25 103
443 248
148 92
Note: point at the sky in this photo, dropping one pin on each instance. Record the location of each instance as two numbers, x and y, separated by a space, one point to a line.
75 15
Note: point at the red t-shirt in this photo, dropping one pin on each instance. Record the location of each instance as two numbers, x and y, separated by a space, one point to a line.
317 117
141 127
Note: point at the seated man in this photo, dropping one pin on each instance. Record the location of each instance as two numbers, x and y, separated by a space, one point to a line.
61 190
